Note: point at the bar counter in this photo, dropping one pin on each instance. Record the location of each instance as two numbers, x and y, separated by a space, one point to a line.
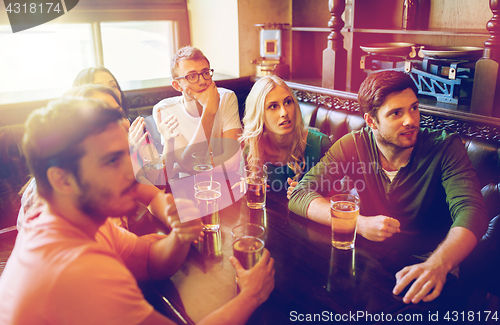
314 282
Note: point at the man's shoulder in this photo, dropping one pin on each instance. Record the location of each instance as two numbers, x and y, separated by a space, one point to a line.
168 102
437 138
224 91
227 96
355 136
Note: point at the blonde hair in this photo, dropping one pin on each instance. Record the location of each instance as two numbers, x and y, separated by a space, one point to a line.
254 127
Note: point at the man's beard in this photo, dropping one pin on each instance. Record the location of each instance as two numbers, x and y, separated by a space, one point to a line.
397 147
92 204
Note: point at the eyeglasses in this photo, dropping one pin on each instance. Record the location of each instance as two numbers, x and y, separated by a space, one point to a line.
194 77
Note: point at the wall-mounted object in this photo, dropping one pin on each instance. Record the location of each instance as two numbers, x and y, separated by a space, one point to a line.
270 61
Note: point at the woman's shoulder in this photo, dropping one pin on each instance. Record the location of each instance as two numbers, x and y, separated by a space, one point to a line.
314 133
318 143
314 136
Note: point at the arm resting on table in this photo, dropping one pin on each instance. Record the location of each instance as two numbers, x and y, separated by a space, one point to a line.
160 259
430 276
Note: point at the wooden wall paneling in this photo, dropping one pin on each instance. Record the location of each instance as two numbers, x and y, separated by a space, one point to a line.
459 14
306 53
380 14
310 13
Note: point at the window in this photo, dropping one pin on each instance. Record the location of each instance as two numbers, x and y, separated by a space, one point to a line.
138 50
42 62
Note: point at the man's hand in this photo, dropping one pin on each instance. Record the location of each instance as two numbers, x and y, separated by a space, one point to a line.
258 282
208 98
136 134
189 231
167 126
291 187
377 228
429 277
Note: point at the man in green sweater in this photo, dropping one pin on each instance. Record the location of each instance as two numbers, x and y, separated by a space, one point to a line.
417 186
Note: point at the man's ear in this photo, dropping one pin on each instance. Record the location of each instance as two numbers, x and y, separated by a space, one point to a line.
370 121
62 181
176 85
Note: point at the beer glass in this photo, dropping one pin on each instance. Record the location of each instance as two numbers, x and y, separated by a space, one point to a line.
255 185
202 166
154 170
248 244
207 196
211 245
344 209
257 216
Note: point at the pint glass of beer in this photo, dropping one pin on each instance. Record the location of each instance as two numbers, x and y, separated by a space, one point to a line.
211 245
344 209
202 166
248 244
154 170
207 196
255 185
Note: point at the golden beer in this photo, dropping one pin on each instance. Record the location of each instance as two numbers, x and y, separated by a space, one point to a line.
154 172
344 219
208 203
211 245
202 173
256 192
248 250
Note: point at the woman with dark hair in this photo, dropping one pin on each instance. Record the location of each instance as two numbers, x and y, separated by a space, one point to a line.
138 135
101 75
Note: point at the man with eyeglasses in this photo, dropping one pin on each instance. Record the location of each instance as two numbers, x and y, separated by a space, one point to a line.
208 116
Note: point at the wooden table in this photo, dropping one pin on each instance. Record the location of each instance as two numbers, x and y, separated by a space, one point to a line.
313 280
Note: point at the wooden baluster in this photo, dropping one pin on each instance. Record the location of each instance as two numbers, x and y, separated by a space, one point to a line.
335 56
486 89
492 44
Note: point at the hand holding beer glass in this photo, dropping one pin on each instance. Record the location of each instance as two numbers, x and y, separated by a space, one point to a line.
344 209
255 184
207 196
248 244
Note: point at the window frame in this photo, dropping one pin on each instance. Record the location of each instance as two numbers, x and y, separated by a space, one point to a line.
95 12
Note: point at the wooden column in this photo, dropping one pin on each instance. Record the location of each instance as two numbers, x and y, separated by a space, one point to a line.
486 90
335 56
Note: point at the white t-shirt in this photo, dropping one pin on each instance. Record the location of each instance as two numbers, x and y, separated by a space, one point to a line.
227 117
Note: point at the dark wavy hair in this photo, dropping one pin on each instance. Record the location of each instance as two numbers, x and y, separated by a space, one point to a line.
376 87
86 76
89 90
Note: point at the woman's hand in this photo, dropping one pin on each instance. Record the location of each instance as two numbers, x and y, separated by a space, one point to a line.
167 126
136 134
291 187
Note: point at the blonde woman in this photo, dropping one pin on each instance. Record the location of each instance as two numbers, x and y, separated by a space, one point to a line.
274 135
